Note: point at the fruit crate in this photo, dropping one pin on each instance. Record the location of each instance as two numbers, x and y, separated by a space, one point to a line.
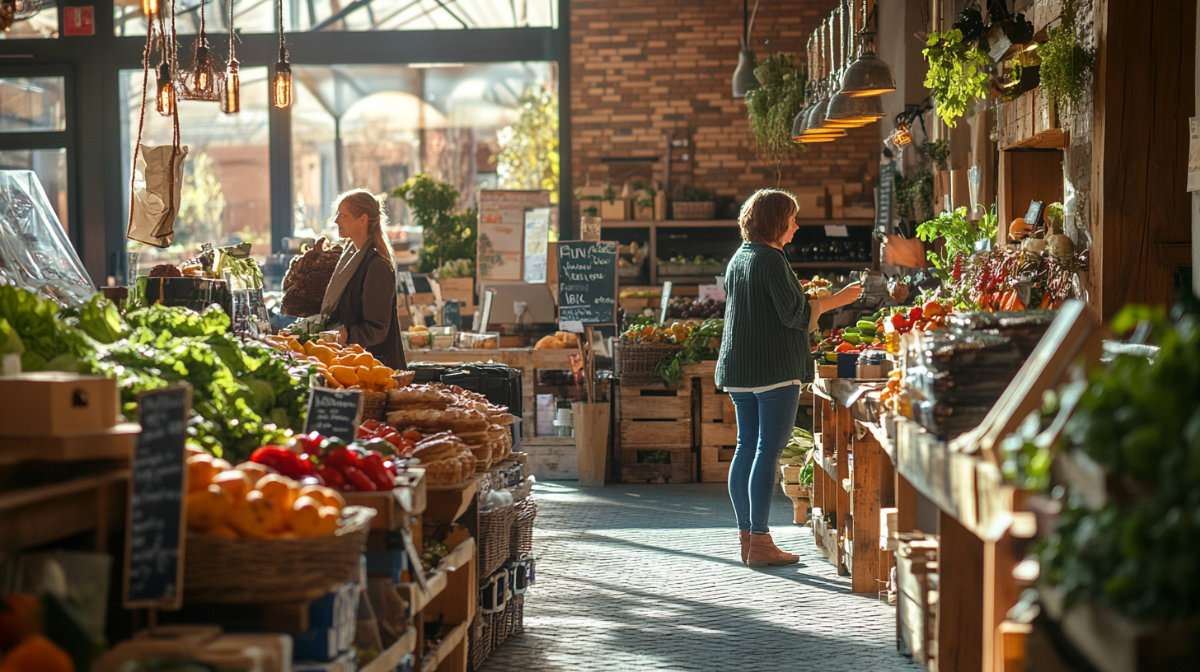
656 464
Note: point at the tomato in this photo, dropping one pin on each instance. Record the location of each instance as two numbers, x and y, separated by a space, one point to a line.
915 313
845 347
900 322
933 309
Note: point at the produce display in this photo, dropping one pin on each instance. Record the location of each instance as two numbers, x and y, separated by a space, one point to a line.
1135 551
252 500
243 394
349 366
686 308
557 341
460 427
817 287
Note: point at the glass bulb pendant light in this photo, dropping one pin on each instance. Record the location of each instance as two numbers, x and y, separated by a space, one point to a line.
231 96
150 8
201 81
165 96
281 85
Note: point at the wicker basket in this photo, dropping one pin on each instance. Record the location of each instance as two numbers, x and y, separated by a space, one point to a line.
404 377
694 209
481 640
261 571
517 625
637 360
374 405
495 530
521 540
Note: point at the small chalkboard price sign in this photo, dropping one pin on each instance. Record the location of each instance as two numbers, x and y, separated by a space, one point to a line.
587 282
452 314
155 527
334 412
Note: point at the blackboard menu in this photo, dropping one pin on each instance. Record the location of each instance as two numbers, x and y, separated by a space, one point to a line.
155 527
587 282
334 412
452 314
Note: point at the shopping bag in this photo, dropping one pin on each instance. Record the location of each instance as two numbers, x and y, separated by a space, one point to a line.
157 184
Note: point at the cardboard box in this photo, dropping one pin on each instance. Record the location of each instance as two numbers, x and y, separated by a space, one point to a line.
53 403
617 210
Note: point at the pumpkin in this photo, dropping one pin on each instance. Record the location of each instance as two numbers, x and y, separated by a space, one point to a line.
1019 229
1035 245
1060 247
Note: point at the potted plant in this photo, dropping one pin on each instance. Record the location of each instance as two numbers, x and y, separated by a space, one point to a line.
694 203
1066 68
958 73
959 236
643 200
447 235
773 106
613 206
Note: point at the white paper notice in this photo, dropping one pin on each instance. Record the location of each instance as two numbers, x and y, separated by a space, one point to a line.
573 326
837 231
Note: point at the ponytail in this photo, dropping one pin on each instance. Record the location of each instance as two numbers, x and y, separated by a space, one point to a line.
363 202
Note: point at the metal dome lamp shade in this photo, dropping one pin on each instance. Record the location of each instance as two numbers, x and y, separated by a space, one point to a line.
800 121
743 76
816 118
868 75
838 114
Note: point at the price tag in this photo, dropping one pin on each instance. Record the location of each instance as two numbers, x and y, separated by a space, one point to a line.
666 301
334 412
837 231
155 525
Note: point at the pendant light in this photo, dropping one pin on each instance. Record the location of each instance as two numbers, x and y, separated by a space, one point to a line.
743 76
814 130
150 8
164 99
800 122
231 97
845 110
281 86
868 75
816 118
201 81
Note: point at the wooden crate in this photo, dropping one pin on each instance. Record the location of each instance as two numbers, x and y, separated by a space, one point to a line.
654 415
714 463
635 469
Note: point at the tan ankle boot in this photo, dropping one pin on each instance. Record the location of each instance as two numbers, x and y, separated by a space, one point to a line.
744 537
763 552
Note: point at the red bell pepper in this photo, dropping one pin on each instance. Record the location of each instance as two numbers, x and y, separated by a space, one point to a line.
283 461
372 465
915 313
357 480
333 478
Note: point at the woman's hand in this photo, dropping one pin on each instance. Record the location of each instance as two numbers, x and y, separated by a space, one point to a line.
848 295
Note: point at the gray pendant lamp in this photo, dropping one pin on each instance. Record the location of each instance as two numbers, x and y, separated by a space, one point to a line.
844 110
743 76
816 118
800 122
868 75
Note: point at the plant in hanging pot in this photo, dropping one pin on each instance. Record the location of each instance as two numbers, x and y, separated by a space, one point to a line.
772 107
1066 68
957 75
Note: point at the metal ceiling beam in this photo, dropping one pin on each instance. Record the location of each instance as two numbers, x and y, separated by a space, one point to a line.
341 14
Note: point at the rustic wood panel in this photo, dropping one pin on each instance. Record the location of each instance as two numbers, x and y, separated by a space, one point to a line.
714 463
1144 95
678 470
960 598
649 432
867 575
1027 175
844 429
718 434
637 407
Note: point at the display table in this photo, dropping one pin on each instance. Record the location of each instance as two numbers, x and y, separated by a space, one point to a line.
550 457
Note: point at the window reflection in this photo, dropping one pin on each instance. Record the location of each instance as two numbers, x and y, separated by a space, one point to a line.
226 191
29 104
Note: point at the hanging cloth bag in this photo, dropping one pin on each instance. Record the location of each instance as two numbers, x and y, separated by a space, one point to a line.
157 185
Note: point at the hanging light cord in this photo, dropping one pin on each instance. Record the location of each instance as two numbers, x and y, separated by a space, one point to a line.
282 52
231 55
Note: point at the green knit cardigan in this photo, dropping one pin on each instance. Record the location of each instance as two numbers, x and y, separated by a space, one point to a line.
766 321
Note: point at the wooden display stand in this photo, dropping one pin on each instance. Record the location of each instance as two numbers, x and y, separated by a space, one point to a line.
715 423
654 432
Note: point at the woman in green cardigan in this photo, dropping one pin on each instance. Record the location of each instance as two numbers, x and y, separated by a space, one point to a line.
764 358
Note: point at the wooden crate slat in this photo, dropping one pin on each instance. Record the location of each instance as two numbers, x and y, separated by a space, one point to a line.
642 433
646 408
678 470
714 463
718 434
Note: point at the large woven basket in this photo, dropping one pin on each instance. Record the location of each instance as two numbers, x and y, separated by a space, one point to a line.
481 640
260 571
521 540
495 531
694 209
637 360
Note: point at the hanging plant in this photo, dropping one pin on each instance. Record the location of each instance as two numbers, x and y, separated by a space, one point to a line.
1066 69
957 73
939 153
773 106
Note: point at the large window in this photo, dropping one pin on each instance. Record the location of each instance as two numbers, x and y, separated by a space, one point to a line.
379 15
39 20
33 124
226 194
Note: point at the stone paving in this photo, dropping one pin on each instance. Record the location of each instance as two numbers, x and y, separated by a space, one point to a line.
647 577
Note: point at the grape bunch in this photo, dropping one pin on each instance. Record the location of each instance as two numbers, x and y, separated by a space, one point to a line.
696 309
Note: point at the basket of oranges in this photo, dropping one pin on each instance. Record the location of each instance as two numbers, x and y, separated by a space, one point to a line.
641 347
256 537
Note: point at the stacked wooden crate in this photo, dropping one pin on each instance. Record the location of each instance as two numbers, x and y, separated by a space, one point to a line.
715 423
654 432
916 608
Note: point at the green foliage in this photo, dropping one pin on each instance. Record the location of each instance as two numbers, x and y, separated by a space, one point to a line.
528 157
773 106
1066 70
939 153
448 235
702 343
1138 553
44 341
914 196
959 234
957 73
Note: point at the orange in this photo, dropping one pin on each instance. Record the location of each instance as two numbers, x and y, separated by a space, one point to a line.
208 508
20 617
37 654
235 481
306 517
254 469
277 490
255 516
324 495
201 471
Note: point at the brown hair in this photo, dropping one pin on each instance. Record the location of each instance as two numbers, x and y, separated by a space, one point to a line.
362 202
766 214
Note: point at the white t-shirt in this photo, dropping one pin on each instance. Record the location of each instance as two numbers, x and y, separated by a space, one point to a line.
764 388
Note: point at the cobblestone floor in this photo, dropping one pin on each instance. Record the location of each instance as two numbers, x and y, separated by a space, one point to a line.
647 577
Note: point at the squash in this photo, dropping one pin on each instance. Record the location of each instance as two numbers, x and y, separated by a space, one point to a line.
1019 229
1060 246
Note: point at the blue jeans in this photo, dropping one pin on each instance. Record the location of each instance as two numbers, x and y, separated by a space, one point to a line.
764 425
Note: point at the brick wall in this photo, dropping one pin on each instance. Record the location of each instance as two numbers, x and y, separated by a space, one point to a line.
639 71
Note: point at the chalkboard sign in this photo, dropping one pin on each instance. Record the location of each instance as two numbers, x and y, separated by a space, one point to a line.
452 314
155 527
334 412
587 281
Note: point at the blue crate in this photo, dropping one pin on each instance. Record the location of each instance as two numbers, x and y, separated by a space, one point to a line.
386 563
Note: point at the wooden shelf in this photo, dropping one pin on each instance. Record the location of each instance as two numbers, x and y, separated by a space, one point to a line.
447 650
391 657
43 514
831 264
438 579
114 443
